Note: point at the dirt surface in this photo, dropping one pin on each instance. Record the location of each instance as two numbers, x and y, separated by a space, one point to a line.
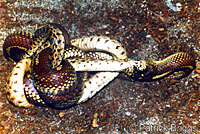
149 29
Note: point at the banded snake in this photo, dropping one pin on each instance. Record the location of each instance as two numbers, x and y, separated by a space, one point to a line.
53 71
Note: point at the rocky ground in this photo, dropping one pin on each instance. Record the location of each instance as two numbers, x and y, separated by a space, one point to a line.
149 29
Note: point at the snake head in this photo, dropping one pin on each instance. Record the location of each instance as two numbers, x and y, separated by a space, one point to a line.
64 32
181 63
176 66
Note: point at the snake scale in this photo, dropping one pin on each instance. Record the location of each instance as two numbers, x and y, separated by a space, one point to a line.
54 71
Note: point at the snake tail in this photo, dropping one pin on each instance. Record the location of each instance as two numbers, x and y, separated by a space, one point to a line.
179 62
15 86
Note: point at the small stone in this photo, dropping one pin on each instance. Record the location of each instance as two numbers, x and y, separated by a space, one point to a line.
61 114
94 122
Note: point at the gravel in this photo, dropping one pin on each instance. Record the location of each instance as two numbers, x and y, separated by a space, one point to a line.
149 30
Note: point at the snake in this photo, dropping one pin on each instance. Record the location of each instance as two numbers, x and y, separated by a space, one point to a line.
54 71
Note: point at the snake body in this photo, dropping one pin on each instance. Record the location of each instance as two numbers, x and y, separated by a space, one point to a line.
64 73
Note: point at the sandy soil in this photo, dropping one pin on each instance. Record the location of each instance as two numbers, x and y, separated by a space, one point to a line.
149 30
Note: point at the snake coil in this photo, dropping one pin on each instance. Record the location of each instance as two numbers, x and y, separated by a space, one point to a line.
53 71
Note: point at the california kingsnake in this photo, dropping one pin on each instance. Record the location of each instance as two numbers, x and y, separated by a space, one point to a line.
53 71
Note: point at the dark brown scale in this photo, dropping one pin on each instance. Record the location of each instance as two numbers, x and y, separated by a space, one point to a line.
123 53
59 41
91 38
16 74
19 101
58 98
99 40
8 93
15 45
117 47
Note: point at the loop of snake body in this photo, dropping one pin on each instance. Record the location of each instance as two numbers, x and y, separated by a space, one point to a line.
54 71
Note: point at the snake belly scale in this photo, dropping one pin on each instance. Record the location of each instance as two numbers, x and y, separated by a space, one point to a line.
54 71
